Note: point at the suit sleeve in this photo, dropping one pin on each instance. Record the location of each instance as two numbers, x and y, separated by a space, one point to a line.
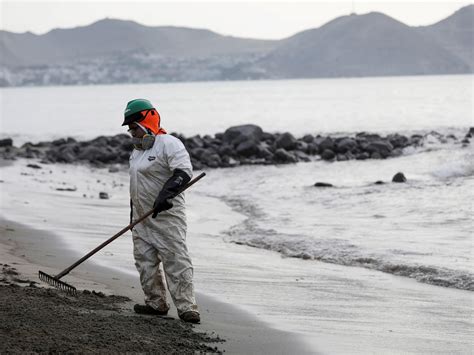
178 157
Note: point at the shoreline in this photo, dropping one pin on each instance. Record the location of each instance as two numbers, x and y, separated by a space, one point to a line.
242 332
322 304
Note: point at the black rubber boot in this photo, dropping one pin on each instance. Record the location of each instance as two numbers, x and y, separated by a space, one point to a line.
146 309
190 317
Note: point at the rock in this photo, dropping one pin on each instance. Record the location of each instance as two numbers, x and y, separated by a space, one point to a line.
346 145
369 137
312 149
194 142
268 137
302 146
375 155
469 134
328 154
384 148
286 141
341 157
247 148
302 156
113 169
226 149
66 189
212 160
103 195
326 144
323 184
416 140
34 166
6 142
282 156
362 156
58 142
198 153
399 177
308 138
379 182
264 152
398 141
237 134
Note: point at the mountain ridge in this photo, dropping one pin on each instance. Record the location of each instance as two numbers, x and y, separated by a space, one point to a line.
114 50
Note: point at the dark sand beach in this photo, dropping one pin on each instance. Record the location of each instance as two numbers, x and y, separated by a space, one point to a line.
39 319
43 320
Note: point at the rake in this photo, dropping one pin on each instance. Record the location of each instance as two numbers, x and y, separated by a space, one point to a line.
71 290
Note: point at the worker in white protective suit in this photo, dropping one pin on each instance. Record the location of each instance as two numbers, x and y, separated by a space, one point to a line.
159 167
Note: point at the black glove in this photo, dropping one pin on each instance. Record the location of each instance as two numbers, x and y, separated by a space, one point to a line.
171 188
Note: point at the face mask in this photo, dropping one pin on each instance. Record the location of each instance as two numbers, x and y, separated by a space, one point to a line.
144 143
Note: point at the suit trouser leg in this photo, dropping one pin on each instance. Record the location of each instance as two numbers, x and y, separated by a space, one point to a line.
147 262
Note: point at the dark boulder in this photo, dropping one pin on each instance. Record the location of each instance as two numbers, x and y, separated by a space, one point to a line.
362 156
247 148
301 156
325 144
323 184
194 142
302 146
6 142
328 154
103 195
268 137
384 148
33 166
90 153
416 140
369 137
59 142
308 138
346 145
101 141
282 156
398 141
286 141
379 182
212 160
264 151
399 177
237 134
470 134
226 149
312 149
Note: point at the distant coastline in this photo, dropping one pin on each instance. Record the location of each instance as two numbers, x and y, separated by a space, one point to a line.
368 45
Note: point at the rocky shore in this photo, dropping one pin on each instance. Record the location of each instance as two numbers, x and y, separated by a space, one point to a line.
239 145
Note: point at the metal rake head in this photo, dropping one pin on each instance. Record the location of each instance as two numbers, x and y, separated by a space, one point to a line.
53 281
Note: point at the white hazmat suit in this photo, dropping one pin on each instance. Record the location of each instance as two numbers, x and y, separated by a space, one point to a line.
161 239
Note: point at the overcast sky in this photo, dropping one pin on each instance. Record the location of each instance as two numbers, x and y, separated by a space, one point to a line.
255 19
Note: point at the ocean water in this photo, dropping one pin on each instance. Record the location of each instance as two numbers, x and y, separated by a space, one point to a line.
297 106
421 230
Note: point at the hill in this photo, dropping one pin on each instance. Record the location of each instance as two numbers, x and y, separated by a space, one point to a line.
118 51
362 45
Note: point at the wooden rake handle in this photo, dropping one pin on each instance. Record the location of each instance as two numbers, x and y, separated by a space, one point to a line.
130 226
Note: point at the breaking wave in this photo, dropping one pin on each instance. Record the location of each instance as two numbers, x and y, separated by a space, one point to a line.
335 251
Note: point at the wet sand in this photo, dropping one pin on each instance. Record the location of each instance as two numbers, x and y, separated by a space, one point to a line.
227 328
44 320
